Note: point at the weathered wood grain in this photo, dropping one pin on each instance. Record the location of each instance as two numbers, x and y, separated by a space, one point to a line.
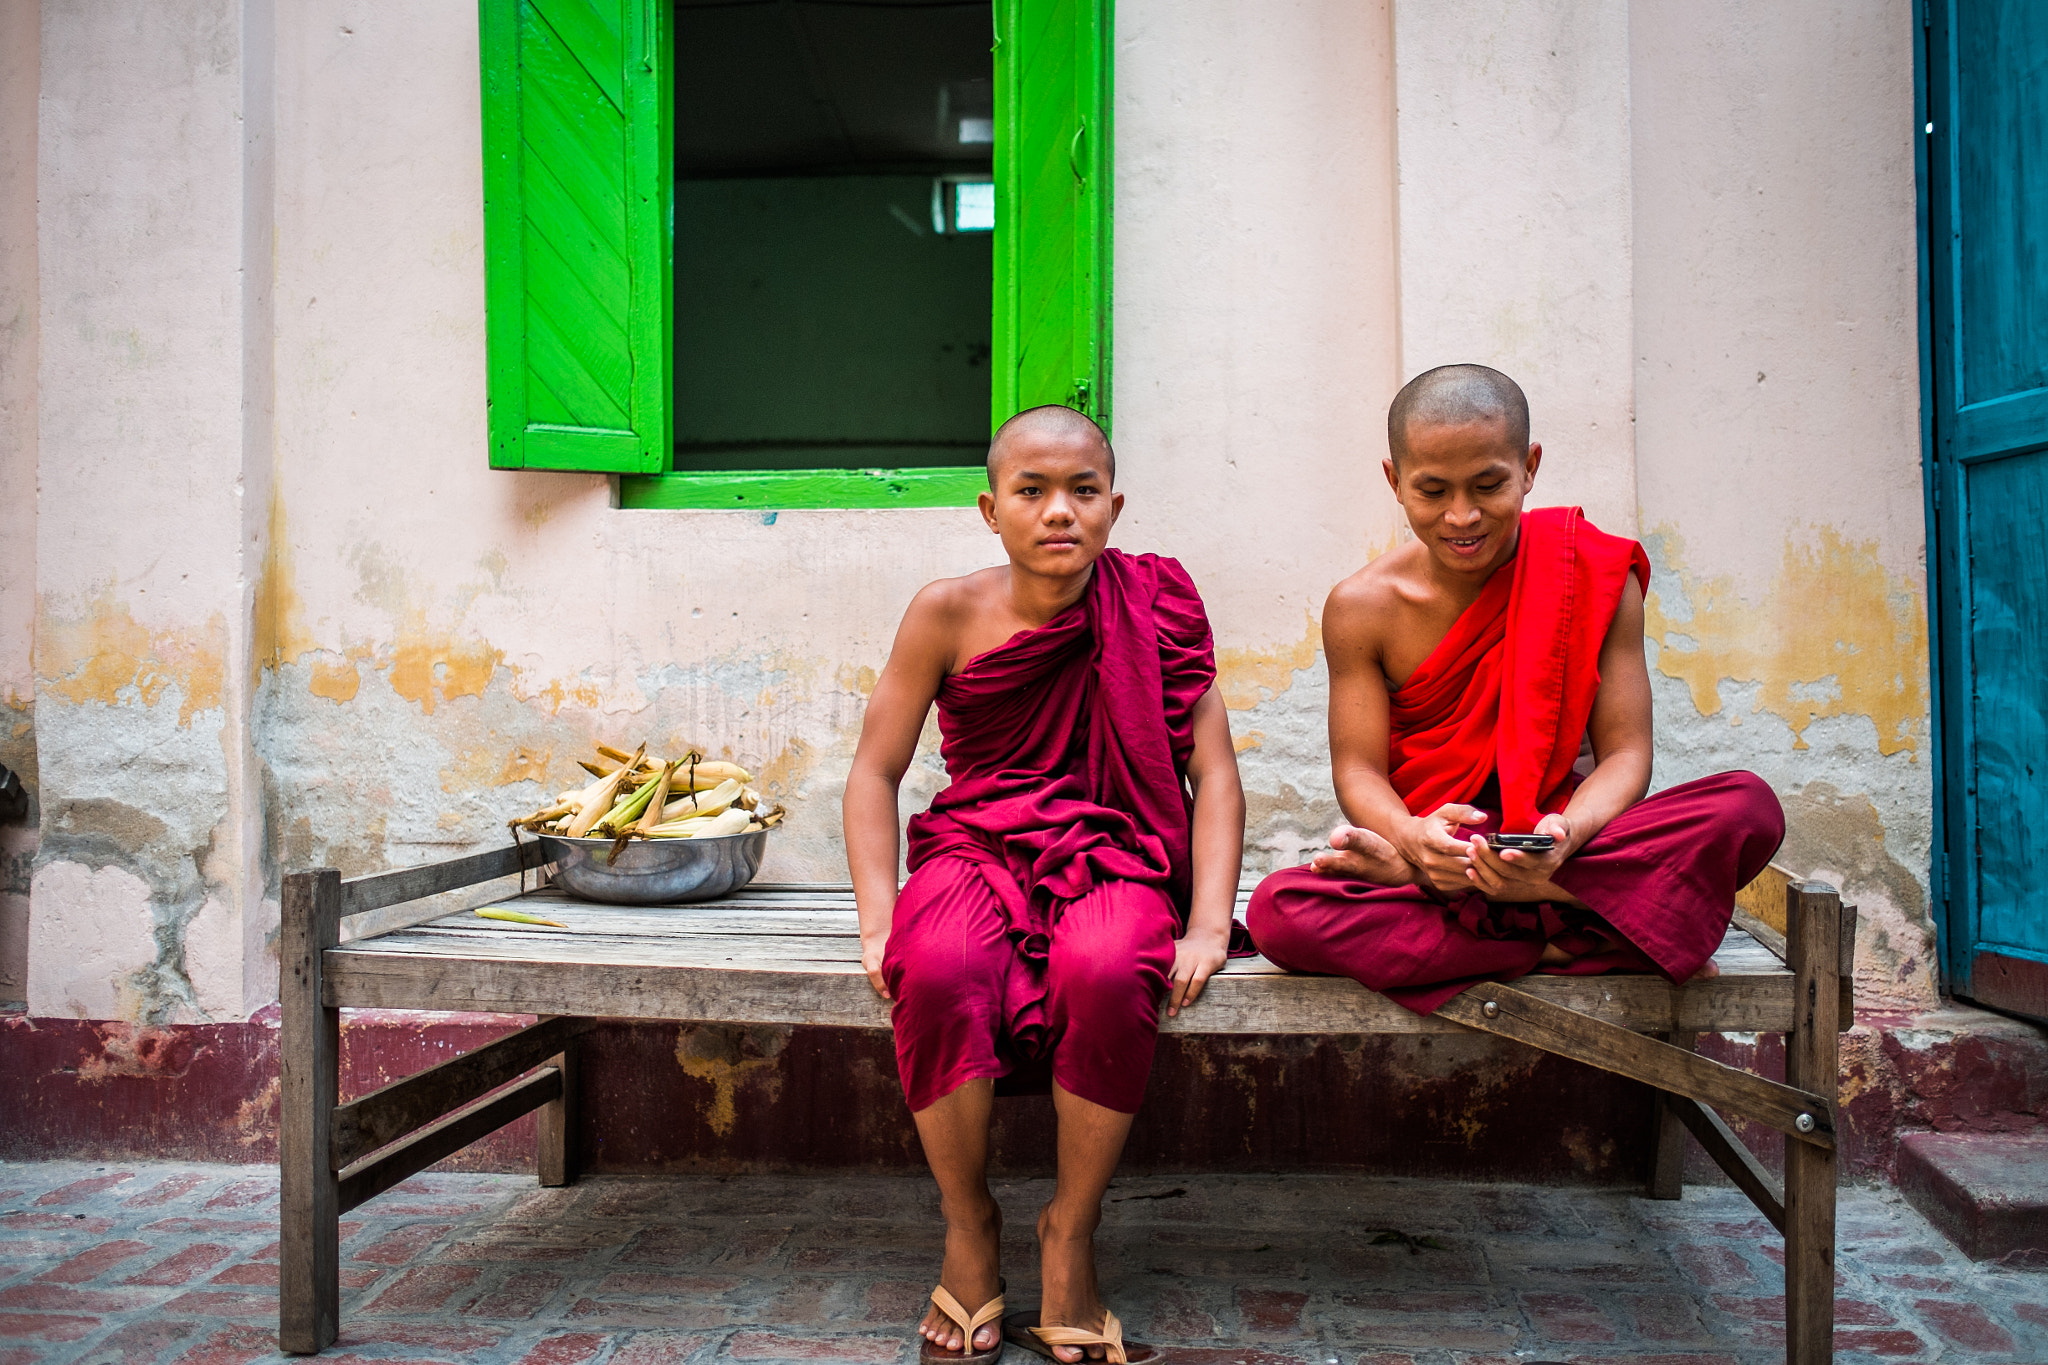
1731 1155
1667 1137
674 981
1510 1013
1813 925
391 888
371 1177
362 1126
555 1152
309 1081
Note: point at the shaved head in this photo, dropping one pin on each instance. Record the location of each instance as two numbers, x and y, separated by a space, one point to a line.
1456 396
1053 420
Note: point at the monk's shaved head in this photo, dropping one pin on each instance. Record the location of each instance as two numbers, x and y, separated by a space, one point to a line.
1456 396
1054 420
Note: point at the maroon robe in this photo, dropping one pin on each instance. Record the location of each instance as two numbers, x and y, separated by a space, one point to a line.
1494 718
1048 881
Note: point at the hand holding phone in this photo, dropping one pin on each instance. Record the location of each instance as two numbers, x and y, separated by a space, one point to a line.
1527 843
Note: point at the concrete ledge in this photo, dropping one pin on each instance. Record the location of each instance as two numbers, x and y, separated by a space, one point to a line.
1987 1191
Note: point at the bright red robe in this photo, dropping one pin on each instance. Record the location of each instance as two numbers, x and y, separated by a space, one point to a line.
1068 748
1507 693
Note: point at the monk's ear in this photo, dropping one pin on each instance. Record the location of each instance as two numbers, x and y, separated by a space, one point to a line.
1116 507
1529 465
987 503
1393 476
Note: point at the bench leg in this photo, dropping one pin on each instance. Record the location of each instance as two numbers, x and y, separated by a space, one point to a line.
309 1066
1813 940
1667 1138
555 1127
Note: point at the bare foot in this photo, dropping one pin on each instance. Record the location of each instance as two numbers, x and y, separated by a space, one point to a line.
1553 956
970 1274
1361 854
1069 1297
1707 972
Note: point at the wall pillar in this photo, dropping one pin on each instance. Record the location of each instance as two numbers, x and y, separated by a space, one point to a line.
1515 223
154 465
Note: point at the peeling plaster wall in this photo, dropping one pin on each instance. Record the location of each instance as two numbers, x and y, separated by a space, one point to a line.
18 83
147 891
1777 436
1257 347
285 615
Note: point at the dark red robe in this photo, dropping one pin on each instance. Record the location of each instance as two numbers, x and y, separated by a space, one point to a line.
1496 716
1049 880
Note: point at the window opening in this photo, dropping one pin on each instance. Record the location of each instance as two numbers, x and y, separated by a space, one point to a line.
834 208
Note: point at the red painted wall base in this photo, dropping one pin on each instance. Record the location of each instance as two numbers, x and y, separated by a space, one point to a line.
666 1098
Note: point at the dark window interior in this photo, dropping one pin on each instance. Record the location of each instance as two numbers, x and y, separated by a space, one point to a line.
832 253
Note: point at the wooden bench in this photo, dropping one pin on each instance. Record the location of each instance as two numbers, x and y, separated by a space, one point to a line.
790 955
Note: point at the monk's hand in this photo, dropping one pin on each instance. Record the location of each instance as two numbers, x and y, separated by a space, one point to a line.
1519 873
1432 843
1196 958
872 950
1363 856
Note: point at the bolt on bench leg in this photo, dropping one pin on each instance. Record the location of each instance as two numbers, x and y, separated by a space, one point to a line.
309 1066
1814 923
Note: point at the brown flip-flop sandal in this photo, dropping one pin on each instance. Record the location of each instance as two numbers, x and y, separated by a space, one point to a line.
1023 1329
929 1352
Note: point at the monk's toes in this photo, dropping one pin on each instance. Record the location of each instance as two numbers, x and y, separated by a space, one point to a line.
987 1337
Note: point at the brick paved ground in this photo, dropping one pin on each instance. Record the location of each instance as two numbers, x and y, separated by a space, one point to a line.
134 1263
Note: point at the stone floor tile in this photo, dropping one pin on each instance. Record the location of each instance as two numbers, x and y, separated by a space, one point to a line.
1263 1270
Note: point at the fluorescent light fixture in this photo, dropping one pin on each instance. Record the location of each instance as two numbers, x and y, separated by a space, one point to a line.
974 206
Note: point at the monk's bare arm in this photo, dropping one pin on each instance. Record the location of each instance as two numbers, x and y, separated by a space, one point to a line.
888 741
1217 838
1359 707
1388 845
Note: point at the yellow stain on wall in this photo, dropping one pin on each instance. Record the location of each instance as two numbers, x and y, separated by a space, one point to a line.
102 652
278 614
1247 677
338 677
428 666
1837 636
715 1055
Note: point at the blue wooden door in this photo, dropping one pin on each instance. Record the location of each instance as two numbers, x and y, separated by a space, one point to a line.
1987 163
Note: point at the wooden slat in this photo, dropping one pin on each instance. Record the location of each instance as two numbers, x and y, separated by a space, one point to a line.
370 1178
1761 932
1249 998
362 1126
393 888
1731 1155
1583 1038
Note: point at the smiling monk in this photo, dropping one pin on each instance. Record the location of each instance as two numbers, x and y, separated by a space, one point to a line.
1081 867
1489 678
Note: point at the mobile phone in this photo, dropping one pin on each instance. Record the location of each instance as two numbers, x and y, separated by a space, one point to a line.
1528 843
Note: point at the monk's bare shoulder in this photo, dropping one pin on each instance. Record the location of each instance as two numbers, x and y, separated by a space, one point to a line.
1362 610
942 616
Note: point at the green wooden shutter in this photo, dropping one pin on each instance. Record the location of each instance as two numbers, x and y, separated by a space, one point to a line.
1051 334
577 177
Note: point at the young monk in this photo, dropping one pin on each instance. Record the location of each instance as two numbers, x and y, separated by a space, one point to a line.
1064 883
1486 677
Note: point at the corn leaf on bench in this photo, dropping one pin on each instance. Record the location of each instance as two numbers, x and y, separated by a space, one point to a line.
790 955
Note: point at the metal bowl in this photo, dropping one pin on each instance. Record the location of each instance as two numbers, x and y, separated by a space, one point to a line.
655 871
